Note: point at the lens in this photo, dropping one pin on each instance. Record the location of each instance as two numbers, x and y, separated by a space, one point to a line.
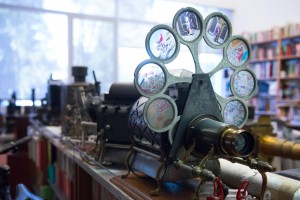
188 26
162 44
160 114
237 52
243 84
237 142
206 132
240 143
217 30
151 79
235 113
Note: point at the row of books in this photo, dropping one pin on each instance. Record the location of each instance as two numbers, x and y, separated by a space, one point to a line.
289 92
290 69
265 70
295 115
262 36
290 30
265 104
290 113
259 53
291 48
273 34
60 172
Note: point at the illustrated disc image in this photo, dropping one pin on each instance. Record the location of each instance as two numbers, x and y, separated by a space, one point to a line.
151 79
217 30
243 84
160 113
188 26
235 113
237 52
162 44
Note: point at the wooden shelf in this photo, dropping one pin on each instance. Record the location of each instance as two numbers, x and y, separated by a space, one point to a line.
275 67
257 112
289 57
84 173
263 60
265 96
290 78
288 102
264 42
290 37
267 79
58 193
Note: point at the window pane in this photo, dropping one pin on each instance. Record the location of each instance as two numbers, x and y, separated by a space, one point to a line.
133 34
89 7
150 10
30 3
161 11
93 44
127 66
32 47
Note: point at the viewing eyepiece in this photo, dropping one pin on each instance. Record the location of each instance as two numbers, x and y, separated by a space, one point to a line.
237 142
226 139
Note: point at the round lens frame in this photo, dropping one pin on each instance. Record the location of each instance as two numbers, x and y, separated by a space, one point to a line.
235 112
162 43
188 23
238 51
160 113
217 30
243 83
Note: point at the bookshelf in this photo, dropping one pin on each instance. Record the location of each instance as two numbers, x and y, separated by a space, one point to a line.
276 62
60 167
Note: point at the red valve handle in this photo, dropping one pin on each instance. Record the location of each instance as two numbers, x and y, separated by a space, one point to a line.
242 190
216 195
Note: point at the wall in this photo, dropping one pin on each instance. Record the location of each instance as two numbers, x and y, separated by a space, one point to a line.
258 15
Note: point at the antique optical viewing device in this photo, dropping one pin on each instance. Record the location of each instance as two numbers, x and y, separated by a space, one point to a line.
180 126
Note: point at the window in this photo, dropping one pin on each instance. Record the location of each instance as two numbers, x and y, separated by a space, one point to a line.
40 38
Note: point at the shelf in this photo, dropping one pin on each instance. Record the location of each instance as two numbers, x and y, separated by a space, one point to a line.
290 37
256 43
290 78
257 112
277 63
99 173
289 57
288 102
267 96
58 193
267 79
263 60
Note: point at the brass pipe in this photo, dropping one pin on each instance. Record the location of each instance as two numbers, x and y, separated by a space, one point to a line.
278 147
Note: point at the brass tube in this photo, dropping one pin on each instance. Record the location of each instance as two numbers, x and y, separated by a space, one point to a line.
237 142
277 147
226 139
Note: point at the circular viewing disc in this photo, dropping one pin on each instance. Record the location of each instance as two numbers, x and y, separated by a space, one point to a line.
243 84
237 52
150 79
235 113
188 24
162 44
160 113
217 30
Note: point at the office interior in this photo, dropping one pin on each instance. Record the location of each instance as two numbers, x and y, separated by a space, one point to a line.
81 119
